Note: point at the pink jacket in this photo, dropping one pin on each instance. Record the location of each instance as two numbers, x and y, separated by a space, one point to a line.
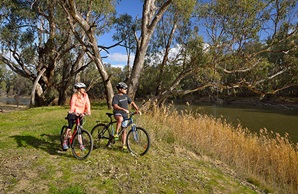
80 104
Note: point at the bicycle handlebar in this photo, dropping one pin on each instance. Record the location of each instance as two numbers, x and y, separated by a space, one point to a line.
134 113
130 113
79 114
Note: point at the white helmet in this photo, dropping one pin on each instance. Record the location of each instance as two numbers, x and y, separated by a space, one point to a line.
79 85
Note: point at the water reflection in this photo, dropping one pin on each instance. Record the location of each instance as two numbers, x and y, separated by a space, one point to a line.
11 100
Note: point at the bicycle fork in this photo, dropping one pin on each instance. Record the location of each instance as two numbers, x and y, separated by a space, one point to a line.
135 132
80 138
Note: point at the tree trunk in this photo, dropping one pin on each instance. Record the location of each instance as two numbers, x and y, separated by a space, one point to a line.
36 90
70 9
150 17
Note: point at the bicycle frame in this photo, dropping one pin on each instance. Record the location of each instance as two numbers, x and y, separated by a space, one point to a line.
130 123
76 129
112 122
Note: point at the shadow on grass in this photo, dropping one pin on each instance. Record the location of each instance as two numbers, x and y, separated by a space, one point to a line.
49 143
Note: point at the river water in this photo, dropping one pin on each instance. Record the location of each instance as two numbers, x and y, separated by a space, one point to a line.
279 120
13 101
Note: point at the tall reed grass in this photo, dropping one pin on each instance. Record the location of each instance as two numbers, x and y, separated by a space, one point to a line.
265 158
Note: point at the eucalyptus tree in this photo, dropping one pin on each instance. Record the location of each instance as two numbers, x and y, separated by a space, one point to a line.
161 44
88 20
125 27
37 44
151 15
248 42
177 13
186 70
176 51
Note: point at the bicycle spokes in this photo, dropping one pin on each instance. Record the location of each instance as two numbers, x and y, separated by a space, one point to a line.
100 135
138 141
82 144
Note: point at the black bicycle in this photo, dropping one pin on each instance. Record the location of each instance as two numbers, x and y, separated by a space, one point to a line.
80 141
137 139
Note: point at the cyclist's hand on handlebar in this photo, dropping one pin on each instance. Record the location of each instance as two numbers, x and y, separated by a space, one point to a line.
80 114
136 112
127 111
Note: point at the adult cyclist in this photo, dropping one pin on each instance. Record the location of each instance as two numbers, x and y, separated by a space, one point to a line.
120 104
79 106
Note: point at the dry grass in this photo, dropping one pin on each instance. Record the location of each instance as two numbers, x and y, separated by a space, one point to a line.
265 158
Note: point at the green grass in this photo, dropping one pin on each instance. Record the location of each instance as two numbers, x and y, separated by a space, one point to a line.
32 161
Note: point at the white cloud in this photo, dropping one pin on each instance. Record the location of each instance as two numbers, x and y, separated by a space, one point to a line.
118 59
118 65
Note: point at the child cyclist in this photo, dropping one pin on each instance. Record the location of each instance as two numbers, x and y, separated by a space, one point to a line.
79 106
120 104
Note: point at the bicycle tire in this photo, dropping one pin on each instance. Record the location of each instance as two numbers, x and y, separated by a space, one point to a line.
101 136
138 141
87 142
63 130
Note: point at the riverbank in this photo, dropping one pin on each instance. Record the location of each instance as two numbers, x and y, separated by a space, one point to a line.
11 107
277 102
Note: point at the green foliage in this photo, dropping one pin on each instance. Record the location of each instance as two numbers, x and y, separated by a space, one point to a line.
184 8
99 7
244 44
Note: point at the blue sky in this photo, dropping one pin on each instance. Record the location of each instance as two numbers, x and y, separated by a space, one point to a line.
117 56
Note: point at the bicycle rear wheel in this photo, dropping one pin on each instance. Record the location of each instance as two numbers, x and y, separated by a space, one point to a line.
83 139
138 141
63 130
100 135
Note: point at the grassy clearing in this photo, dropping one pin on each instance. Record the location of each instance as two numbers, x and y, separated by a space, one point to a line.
188 154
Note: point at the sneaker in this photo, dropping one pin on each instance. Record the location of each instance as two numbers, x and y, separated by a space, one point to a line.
116 137
82 148
124 148
65 146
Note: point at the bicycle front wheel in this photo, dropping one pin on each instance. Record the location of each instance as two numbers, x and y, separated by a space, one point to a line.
82 145
138 141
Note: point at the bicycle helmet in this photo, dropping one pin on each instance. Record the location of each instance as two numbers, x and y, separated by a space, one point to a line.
121 85
79 85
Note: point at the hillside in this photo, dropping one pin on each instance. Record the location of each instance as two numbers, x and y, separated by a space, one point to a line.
32 162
